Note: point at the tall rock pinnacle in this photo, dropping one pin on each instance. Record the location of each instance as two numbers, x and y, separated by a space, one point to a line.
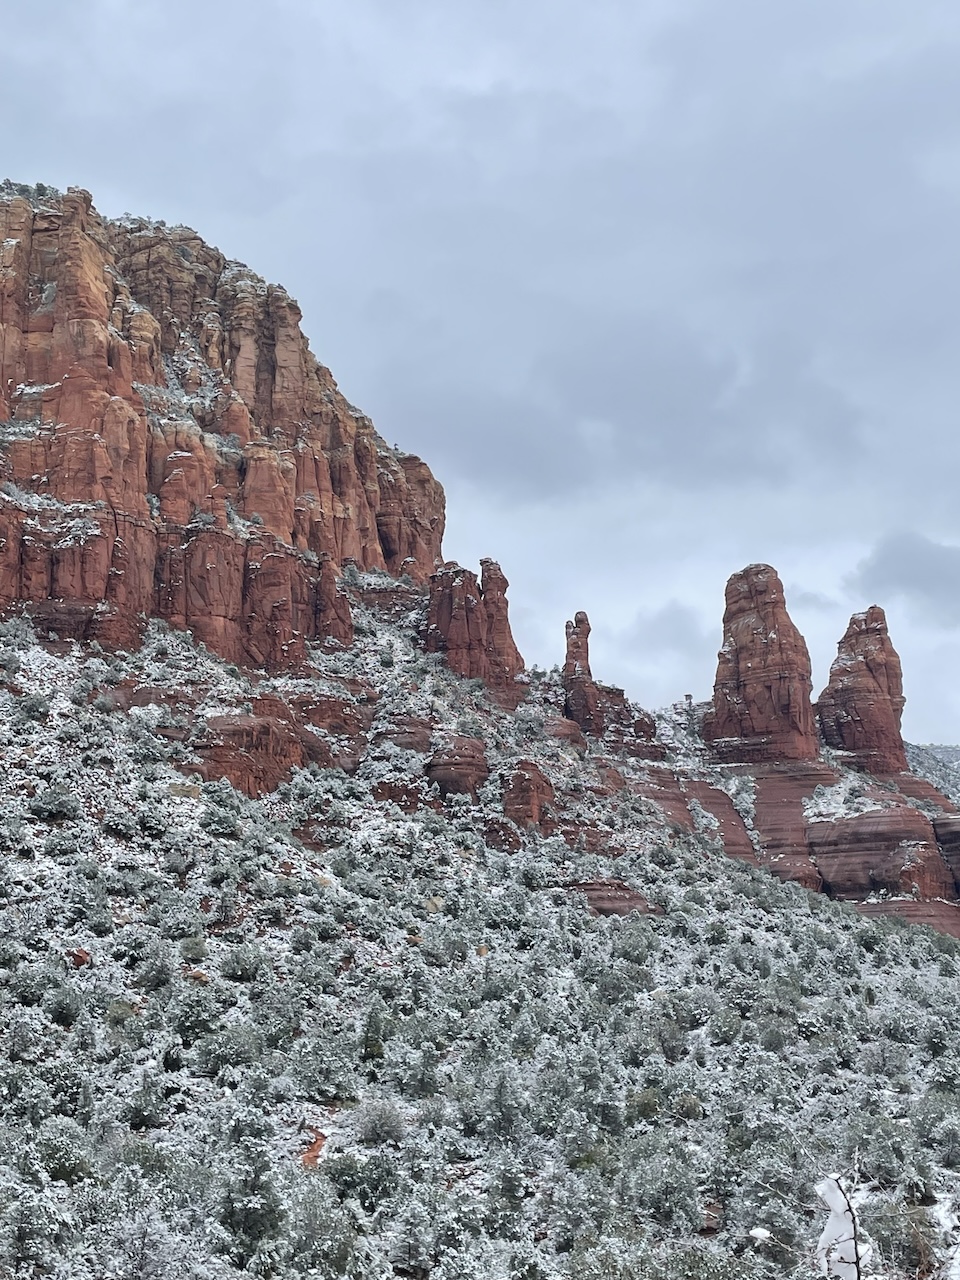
761 702
583 701
860 708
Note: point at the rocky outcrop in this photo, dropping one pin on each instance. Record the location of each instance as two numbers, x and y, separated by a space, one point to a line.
890 851
468 622
601 709
761 704
169 445
719 809
582 702
528 798
409 733
459 768
860 709
613 898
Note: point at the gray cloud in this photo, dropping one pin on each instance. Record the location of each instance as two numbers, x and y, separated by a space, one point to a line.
657 289
921 571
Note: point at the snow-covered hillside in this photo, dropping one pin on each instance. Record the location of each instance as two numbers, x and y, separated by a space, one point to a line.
383 1048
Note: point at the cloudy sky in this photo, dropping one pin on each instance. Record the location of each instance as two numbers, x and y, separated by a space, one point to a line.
658 287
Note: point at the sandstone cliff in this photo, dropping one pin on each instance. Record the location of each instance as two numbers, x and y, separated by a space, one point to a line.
171 447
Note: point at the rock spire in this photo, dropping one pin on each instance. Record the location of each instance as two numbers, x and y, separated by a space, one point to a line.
860 709
583 701
761 703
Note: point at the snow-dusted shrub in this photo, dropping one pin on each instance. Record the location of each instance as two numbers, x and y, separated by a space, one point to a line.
62 1150
32 707
63 1005
193 948
235 1045
147 1106
379 1120
194 1012
325 1070
369 1179
157 970
54 804
250 1206
33 1229
323 1237
244 962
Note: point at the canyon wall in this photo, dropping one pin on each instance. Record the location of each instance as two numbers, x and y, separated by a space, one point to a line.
171 447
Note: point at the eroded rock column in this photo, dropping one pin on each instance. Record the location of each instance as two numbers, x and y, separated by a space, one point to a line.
860 709
762 711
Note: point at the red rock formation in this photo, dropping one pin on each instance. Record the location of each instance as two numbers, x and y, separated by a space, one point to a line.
761 703
468 622
601 709
173 448
582 693
939 915
459 768
860 708
891 850
662 786
255 752
410 733
613 898
780 822
257 749
564 730
731 829
528 797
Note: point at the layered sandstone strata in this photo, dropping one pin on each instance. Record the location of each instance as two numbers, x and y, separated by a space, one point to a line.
171 447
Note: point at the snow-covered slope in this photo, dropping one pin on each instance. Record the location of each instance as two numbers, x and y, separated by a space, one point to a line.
315 1035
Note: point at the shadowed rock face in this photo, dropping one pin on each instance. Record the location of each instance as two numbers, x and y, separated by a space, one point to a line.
171 447
860 709
468 622
761 704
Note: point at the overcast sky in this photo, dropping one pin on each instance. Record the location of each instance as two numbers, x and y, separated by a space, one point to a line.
658 289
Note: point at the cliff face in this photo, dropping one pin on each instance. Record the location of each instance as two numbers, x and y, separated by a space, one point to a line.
171 447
